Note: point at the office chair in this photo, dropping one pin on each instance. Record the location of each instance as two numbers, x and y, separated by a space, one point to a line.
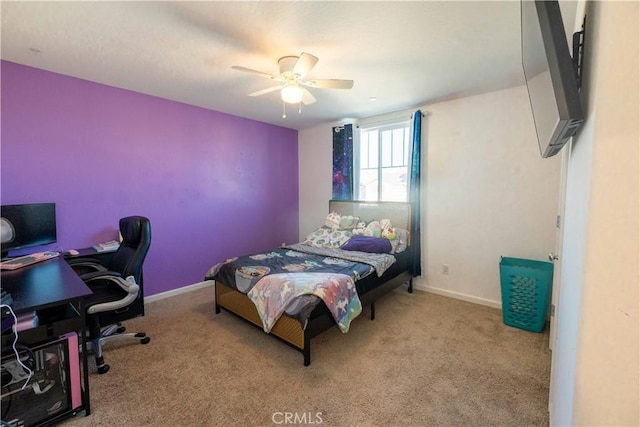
117 288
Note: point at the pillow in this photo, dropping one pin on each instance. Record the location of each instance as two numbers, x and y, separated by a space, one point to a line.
399 244
374 229
333 220
388 232
376 245
338 238
318 237
325 237
361 229
348 222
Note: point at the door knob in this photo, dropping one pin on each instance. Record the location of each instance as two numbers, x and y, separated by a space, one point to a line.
552 257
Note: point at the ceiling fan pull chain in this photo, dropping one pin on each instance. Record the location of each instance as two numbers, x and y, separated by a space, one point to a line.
284 110
300 108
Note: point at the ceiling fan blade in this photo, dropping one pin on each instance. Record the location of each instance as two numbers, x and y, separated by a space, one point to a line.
265 91
304 64
329 83
307 97
260 73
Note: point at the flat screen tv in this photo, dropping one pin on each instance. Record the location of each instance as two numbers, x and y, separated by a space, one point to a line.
550 75
27 225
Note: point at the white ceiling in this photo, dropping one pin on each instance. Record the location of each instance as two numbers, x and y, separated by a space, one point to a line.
405 54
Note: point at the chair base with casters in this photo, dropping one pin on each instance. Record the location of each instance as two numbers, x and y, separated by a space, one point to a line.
113 333
107 298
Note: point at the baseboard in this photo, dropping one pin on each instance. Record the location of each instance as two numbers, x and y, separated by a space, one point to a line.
178 291
460 296
437 291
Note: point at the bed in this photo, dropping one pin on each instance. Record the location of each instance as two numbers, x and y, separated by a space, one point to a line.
332 280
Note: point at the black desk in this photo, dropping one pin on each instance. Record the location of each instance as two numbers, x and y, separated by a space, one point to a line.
53 290
45 284
103 257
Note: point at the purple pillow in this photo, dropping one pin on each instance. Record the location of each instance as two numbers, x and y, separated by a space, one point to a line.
375 245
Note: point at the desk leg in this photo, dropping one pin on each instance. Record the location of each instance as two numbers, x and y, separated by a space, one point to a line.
85 365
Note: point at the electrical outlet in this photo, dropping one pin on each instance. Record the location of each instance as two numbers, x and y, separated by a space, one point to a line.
445 268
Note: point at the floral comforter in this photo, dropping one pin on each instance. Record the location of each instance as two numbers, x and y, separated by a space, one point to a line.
298 277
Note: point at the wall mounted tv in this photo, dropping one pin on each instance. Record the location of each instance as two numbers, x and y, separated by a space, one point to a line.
27 225
550 74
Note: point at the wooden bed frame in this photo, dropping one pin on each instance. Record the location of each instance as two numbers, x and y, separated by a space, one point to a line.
289 330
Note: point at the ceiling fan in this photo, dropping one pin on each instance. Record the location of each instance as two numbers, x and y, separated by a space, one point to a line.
292 79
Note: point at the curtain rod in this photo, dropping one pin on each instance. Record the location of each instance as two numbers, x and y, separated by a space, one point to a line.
387 118
382 118
382 122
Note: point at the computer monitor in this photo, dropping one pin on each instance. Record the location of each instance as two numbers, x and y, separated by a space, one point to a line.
27 225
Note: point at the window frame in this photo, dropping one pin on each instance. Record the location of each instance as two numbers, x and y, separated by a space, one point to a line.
390 125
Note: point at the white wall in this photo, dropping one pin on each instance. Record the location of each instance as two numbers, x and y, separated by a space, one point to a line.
596 358
488 192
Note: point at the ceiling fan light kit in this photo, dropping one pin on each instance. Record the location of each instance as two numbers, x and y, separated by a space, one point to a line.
293 70
291 93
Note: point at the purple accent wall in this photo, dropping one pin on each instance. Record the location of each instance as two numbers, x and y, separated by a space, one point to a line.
213 185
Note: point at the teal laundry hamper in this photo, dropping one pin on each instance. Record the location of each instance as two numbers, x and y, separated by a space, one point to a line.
526 289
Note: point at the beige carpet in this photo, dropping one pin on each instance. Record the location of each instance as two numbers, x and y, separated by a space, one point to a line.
426 360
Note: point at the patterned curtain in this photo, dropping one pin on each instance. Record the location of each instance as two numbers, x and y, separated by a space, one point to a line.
414 195
343 162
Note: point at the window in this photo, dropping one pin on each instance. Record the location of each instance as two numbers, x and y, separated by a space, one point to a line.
382 162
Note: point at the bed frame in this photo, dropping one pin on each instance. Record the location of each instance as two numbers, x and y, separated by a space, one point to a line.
289 330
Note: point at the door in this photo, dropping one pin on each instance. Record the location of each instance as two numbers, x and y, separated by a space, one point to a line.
555 255
557 267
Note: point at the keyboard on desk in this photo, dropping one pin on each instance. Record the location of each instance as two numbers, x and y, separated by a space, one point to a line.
25 260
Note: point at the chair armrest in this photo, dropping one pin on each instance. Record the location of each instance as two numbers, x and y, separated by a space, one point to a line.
129 285
86 263
102 274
